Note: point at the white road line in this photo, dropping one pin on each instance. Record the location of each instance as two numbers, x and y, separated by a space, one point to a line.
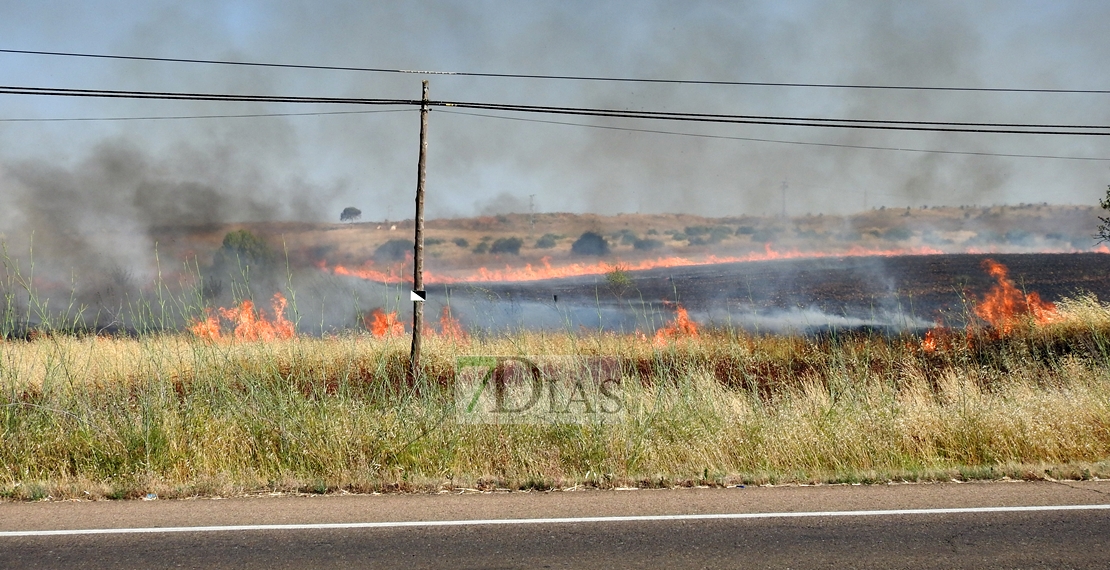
567 520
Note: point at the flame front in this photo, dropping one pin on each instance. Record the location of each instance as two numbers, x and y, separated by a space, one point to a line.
1005 305
680 327
1003 308
449 327
398 273
383 324
248 323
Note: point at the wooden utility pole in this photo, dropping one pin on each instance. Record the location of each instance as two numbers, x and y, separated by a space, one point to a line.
418 245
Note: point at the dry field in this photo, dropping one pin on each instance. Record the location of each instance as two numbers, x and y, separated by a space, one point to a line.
236 402
92 417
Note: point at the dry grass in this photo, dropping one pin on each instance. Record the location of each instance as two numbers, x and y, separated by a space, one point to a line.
118 417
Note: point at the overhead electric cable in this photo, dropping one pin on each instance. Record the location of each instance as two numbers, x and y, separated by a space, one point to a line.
872 124
178 117
178 96
555 77
757 119
779 141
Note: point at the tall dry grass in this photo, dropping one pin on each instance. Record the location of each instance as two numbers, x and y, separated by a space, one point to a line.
165 413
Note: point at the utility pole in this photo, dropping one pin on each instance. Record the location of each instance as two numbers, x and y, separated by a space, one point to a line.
418 244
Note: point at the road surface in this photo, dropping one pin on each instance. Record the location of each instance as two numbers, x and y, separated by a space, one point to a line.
950 525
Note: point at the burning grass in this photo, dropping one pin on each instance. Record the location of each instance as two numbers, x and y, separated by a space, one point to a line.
180 415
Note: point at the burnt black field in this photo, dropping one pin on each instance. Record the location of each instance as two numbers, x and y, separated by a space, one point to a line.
857 292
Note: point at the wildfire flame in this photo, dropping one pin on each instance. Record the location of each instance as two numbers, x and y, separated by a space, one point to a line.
1005 305
397 273
249 324
449 327
1003 308
383 324
929 343
680 327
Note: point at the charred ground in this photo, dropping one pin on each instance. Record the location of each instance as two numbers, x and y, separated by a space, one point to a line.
928 287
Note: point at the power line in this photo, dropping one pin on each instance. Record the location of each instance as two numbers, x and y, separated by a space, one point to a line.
556 77
178 96
872 124
177 117
779 141
1087 130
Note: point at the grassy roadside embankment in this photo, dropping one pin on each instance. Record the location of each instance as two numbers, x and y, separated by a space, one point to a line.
169 414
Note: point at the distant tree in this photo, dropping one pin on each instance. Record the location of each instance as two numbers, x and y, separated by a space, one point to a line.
507 245
1104 228
461 242
590 243
647 244
350 214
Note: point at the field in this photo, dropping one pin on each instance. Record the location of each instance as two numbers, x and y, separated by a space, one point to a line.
983 377
92 417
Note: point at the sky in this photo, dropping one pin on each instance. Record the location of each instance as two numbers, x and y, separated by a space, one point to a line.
130 175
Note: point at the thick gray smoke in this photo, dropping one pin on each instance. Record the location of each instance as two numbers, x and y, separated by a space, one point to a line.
94 194
105 209
480 164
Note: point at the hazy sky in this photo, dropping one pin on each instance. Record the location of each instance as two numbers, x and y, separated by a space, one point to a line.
134 172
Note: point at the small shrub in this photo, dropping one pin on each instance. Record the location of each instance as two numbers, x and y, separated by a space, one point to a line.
618 278
507 245
433 241
393 250
590 243
547 241
242 247
647 244
461 242
482 248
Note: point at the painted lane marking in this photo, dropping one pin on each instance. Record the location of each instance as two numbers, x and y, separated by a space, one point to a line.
567 520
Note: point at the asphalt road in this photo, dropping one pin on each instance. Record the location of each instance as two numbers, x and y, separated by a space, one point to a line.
785 530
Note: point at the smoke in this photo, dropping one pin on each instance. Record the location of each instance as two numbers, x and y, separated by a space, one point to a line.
102 199
106 209
473 161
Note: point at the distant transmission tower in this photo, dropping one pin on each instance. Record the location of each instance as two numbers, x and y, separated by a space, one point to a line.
784 187
532 214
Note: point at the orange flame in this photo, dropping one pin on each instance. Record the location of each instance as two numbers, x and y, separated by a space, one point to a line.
1005 305
383 324
680 327
249 324
449 327
397 273
207 328
929 343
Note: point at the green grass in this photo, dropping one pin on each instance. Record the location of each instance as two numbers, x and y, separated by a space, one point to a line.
88 416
